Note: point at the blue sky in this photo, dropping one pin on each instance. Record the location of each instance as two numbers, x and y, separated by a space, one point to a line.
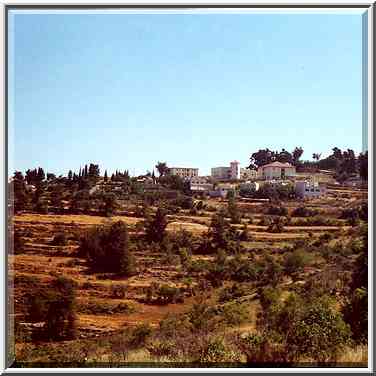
195 90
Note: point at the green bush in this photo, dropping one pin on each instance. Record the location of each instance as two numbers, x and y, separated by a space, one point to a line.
233 314
107 249
319 333
118 291
310 328
105 308
216 351
140 335
276 210
232 292
233 211
245 234
277 225
155 227
296 261
56 308
265 221
302 211
355 314
163 294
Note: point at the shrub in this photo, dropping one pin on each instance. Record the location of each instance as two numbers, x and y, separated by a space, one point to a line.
109 204
163 294
56 308
155 227
185 257
217 351
245 235
59 239
306 327
234 314
350 213
319 333
277 225
140 335
104 308
71 263
41 207
296 261
233 210
265 221
219 231
184 202
302 211
118 291
18 243
235 291
356 314
241 269
259 351
276 192
107 249
181 239
276 210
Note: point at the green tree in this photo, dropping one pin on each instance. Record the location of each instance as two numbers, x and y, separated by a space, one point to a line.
57 196
18 191
105 178
363 165
55 307
305 328
356 308
155 227
162 168
316 156
233 210
219 231
296 154
109 204
319 333
107 249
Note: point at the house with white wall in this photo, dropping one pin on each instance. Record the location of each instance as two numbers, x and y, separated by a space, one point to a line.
276 170
183 172
309 189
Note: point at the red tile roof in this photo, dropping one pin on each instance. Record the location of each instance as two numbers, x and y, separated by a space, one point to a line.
278 164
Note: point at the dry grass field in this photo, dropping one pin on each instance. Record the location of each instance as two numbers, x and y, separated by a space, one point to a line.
101 314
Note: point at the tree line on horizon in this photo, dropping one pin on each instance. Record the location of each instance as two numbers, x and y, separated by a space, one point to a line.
345 163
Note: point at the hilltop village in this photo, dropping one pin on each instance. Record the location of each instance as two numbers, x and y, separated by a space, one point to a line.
248 266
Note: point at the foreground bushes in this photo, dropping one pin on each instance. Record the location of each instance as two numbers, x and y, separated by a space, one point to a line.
55 308
163 294
306 328
107 249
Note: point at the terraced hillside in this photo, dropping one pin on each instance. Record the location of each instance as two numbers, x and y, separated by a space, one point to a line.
107 305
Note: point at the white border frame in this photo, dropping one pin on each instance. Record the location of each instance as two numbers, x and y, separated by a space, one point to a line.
370 187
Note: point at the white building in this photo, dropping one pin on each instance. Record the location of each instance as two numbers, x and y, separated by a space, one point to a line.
183 172
309 189
200 184
226 173
249 185
276 170
247 174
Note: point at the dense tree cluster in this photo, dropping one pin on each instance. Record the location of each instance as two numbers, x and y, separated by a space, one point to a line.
344 163
107 249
